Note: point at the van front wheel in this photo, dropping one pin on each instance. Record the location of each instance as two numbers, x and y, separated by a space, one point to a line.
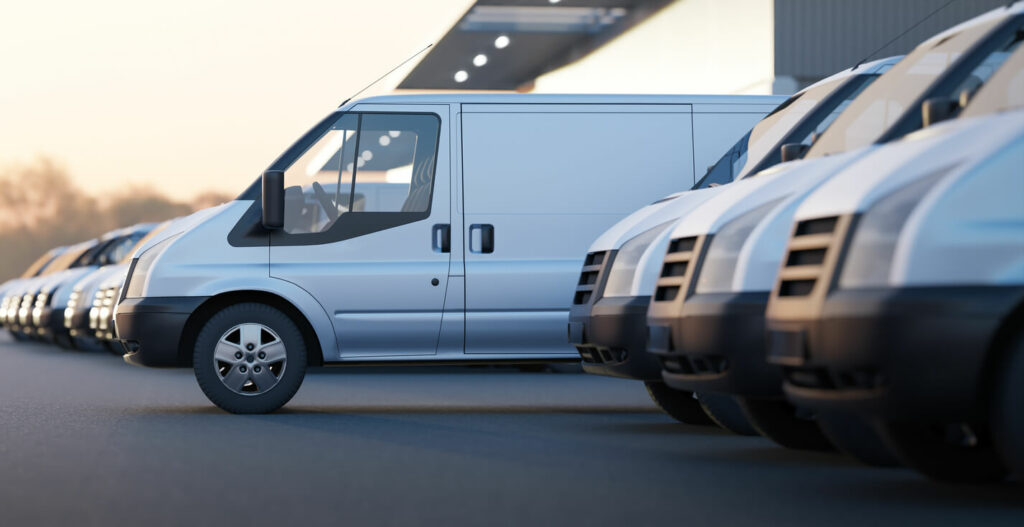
681 406
249 359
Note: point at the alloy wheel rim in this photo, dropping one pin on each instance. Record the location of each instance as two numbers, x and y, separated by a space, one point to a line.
250 359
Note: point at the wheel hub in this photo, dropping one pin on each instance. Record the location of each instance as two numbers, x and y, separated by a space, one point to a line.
250 358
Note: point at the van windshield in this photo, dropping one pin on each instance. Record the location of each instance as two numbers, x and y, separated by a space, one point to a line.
40 264
1003 92
802 115
119 248
67 259
886 100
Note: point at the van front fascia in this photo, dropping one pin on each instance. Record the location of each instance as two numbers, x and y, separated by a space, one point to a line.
249 231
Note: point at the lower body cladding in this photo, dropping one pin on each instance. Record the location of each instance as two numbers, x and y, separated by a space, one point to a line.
897 354
49 323
611 338
935 370
159 321
717 344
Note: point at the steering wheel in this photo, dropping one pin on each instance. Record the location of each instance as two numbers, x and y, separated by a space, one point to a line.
325 201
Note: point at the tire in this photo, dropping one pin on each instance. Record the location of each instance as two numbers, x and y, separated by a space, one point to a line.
779 421
249 359
679 405
63 339
113 347
1008 409
726 413
939 452
855 437
84 344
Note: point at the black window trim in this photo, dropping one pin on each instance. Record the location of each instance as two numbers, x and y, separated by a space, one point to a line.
249 231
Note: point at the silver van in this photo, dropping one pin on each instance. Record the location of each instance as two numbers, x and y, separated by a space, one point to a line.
412 229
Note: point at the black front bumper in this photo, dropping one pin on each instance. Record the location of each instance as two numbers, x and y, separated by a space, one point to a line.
149 329
717 344
898 354
611 338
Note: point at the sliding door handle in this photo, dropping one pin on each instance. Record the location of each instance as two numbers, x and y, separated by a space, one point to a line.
442 238
481 238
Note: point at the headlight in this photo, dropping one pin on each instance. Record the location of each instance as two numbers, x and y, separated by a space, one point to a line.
716 271
135 283
42 300
25 309
869 256
69 311
620 276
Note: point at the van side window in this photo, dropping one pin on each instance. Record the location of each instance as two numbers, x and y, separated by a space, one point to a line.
365 163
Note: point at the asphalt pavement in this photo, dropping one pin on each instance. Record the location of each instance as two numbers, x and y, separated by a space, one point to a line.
89 440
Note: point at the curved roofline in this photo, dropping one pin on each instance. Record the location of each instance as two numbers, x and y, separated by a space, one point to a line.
862 69
563 98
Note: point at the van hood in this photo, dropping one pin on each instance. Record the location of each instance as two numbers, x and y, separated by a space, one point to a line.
893 165
661 211
180 225
748 194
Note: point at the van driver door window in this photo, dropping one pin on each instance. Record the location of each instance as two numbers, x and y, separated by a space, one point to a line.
361 208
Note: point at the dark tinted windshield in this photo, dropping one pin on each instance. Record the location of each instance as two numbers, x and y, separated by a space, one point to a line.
886 100
117 249
727 166
69 258
800 118
1004 91
40 264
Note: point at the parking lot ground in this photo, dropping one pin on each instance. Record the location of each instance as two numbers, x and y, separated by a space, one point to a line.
86 439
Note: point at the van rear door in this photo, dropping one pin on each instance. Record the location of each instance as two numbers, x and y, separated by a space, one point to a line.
540 183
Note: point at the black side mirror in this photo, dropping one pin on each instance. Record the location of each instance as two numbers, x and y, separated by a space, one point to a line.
791 151
937 109
273 199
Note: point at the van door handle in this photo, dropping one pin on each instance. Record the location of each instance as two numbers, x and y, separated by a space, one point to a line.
442 237
486 238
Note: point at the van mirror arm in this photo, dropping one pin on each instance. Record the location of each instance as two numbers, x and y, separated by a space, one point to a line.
793 151
273 199
937 109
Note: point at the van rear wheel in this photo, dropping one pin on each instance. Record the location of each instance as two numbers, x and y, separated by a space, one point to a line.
855 437
1008 409
781 422
954 452
249 359
680 405
726 413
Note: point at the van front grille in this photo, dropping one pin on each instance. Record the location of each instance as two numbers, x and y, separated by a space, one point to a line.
827 379
695 364
805 257
590 277
674 268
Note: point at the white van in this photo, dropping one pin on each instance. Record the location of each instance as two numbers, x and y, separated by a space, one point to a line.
912 315
707 319
607 323
408 229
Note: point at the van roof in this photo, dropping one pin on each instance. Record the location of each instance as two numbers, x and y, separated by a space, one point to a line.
544 98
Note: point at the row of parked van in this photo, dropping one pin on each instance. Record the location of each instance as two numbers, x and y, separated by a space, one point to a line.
848 275
868 297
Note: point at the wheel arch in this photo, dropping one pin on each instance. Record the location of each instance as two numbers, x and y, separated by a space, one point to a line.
999 347
314 350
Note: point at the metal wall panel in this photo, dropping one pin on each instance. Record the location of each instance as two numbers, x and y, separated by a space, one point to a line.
815 38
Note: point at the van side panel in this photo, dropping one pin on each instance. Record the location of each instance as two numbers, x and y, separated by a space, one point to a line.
547 181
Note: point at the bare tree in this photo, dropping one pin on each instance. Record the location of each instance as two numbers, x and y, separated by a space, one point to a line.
41 208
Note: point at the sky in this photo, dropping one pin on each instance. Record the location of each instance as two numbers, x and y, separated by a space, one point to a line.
191 95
